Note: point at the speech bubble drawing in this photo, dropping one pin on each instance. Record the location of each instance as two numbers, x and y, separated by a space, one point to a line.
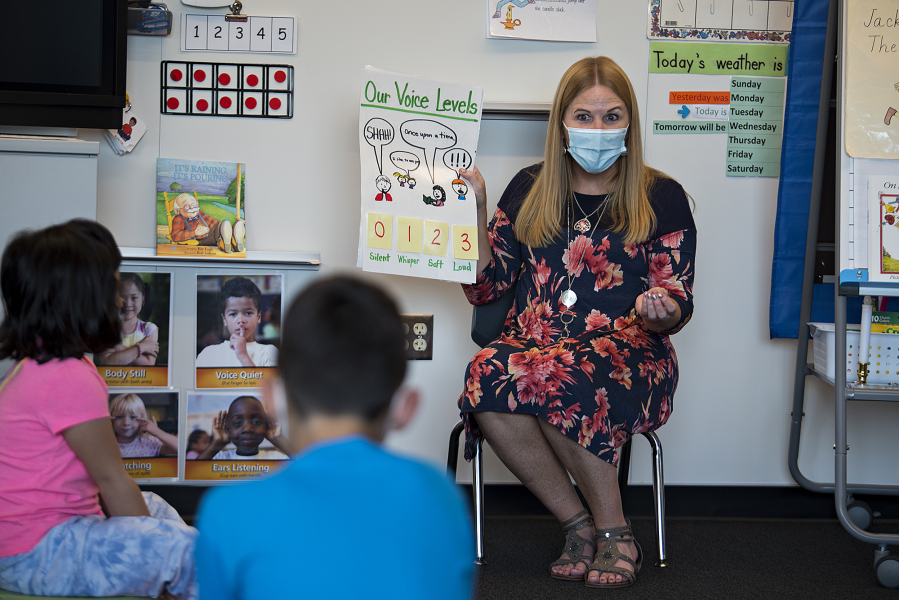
378 133
457 158
430 136
404 161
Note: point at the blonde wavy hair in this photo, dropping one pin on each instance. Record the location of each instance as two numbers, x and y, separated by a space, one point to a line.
540 219
128 403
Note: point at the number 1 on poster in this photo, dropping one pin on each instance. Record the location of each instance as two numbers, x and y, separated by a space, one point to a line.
409 235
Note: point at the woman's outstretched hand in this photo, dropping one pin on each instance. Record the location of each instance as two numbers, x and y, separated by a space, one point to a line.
479 187
658 311
476 183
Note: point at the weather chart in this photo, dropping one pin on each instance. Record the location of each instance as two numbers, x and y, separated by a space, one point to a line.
418 215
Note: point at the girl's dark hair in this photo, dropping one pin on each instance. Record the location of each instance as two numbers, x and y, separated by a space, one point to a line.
342 349
194 437
145 289
59 290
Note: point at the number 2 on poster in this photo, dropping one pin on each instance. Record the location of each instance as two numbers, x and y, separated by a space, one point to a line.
436 236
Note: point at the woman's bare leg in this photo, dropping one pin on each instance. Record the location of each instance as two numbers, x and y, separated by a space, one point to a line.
598 482
520 443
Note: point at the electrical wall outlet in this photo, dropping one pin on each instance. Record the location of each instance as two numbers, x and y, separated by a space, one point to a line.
419 330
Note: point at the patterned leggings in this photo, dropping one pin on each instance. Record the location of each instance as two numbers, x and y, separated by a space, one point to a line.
121 556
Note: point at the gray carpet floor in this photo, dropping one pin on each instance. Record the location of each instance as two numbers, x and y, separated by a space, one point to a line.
707 559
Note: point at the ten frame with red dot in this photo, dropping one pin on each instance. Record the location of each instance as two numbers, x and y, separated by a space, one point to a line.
227 90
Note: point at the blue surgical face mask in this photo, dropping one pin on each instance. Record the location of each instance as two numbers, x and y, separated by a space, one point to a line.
596 149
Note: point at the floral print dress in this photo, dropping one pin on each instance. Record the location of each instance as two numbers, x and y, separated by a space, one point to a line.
608 377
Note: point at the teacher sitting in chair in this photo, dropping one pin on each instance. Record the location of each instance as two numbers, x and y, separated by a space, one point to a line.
602 249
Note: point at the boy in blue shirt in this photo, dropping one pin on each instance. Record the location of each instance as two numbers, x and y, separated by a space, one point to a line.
346 515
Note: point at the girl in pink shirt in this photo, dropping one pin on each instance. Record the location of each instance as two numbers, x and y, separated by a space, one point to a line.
58 453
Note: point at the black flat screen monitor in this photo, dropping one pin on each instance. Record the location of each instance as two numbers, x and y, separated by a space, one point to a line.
63 63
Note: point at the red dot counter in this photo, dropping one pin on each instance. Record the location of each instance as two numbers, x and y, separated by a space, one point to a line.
227 90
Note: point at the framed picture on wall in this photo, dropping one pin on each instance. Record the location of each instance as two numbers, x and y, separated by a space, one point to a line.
233 436
238 329
146 428
141 359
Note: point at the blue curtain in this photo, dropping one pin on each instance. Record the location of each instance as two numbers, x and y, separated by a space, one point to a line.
796 164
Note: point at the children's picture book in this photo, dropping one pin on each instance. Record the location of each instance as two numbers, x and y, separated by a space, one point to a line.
233 436
883 228
146 428
141 358
418 216
238 329
200 208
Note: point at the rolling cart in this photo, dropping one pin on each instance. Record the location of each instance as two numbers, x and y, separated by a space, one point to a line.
855 516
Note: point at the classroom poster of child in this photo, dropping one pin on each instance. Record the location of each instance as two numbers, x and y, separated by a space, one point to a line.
418 216
238 325
146 428
141 359
200 208
233 436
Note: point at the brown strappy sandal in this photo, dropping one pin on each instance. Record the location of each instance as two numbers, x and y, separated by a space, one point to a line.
608 554
574 545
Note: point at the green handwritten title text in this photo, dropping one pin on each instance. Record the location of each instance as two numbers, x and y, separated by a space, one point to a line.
403 98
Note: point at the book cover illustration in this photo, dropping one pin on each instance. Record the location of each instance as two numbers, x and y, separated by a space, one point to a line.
883 235
200 208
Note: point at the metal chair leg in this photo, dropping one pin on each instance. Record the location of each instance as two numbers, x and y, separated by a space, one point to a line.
477 466
658 492
452 457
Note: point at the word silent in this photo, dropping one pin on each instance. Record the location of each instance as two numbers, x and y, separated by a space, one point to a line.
239 468
240 375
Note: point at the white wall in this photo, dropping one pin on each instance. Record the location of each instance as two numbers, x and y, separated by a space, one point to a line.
731 415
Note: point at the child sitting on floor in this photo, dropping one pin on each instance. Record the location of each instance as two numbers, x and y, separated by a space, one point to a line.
401 525
58 452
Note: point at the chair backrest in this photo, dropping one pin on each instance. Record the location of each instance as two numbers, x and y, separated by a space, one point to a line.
487 319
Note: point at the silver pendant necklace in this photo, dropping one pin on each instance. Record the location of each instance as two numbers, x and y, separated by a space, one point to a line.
583 225
569 297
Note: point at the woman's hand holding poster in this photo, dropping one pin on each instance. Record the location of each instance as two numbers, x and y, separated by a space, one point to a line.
418 217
